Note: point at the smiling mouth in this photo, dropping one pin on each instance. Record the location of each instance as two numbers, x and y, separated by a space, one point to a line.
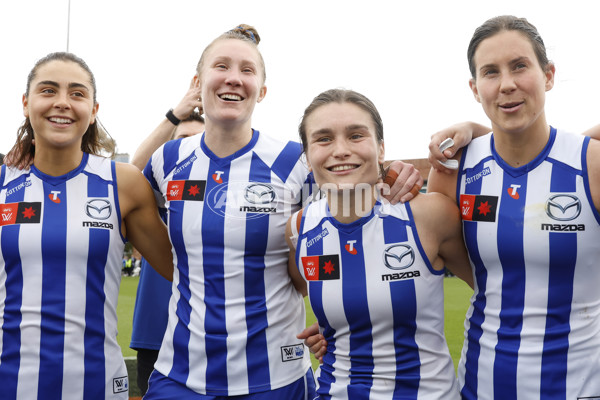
346 167
59 120
231 97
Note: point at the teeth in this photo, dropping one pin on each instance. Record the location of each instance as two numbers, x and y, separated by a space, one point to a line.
60 120
342 168
234 97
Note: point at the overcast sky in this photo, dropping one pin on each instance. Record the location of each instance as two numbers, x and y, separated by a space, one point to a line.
408 57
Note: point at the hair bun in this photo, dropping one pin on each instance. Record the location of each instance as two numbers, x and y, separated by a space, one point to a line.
249 31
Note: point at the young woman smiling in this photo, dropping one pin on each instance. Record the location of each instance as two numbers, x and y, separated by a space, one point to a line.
373 271
64 223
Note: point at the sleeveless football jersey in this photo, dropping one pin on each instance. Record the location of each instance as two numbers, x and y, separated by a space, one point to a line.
60 268
380 305
533 327
234 314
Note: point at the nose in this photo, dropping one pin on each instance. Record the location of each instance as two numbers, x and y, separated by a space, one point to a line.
507 83
62 101
341 149
233 78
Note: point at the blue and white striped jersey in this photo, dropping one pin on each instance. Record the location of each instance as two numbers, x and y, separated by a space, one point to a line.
533 328
60 252
234 314
380 305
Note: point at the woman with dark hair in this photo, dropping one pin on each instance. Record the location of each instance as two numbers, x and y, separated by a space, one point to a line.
62 233
530 199
373 271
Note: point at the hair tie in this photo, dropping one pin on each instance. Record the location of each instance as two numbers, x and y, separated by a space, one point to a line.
246 31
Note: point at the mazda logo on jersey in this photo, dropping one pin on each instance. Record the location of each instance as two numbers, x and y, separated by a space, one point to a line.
259 193
242 199
399 256
98 208
563 207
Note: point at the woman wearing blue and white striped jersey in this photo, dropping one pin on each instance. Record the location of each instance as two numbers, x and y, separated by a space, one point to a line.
64 222
373 271
233 314
533 328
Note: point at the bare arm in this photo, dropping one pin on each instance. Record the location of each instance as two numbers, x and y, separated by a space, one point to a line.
442 182
462 134
164 131
297 279
141 223
452 247
593 132
593 164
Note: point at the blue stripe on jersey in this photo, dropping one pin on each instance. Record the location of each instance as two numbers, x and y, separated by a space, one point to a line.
356 309
99 241
286 160
170 156
563 256
10 360
149 175
181 336
391 233
469 391
315 294
408 366
213 237
511 255
54 262
257 237
404 310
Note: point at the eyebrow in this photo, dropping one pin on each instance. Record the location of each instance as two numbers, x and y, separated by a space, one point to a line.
325 131
513 61
72 85
229 59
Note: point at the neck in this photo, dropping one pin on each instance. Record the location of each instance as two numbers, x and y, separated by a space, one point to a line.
57 162
225 140
520 148
349 205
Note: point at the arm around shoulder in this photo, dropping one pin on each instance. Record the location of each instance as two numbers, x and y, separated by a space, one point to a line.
143 226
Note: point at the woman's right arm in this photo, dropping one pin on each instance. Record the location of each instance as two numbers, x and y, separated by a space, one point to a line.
461 133
164 131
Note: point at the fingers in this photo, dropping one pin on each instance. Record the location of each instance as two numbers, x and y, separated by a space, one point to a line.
309 331
404 182
190 101
439 156
315 341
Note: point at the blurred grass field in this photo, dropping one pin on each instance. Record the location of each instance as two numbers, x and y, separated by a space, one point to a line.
456 293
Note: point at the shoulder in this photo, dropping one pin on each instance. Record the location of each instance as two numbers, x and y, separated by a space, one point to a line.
273 148
9 174
435 204
128 175
312 215
434 211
